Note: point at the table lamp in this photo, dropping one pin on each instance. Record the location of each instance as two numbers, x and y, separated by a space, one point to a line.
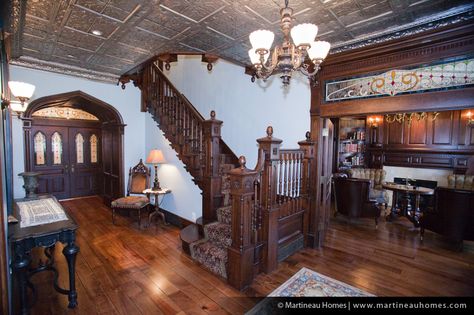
155 157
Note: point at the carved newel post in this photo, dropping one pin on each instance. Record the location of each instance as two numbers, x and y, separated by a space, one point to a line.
271 150
31 183
308 189
241 252
212 180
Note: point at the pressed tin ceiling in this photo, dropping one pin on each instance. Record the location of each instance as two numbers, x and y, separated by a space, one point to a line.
56 35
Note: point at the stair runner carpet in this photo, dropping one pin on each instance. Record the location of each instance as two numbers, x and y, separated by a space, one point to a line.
211 251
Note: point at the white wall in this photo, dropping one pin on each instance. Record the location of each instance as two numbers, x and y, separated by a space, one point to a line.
127 102
246 108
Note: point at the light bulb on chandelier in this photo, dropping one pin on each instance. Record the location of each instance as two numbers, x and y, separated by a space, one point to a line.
289 56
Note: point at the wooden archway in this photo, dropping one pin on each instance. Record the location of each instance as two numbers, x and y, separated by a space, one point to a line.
110 122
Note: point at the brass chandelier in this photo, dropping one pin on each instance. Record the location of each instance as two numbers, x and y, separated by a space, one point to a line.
289 56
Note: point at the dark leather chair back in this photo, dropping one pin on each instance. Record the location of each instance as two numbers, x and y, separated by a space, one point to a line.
352 198
453 214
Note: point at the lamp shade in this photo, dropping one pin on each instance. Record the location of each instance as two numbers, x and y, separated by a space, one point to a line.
261 39
255 57
319 50
21 90
18 107
304 34
155 157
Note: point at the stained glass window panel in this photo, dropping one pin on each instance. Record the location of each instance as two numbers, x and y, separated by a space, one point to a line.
93 141
40 148
79 149
57 148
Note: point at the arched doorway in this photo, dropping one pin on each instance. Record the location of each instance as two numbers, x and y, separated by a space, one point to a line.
76 142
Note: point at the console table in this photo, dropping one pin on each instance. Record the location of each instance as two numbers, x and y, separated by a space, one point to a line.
24 239
405 210
156 194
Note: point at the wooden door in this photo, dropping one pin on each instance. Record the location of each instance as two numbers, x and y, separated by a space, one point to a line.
327 148
68 158
84 154
50 157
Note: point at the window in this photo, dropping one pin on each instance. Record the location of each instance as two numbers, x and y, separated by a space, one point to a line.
93 141
40 148
57 148
79 148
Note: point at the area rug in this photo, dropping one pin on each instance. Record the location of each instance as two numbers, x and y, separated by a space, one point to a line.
307 282
304 283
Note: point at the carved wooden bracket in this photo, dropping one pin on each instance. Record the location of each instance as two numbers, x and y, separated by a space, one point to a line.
136 78
210 59
167 59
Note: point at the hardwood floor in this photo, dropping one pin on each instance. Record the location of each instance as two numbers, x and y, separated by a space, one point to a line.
124 270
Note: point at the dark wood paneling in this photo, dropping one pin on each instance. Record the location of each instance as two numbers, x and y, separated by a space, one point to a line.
442 128
394 133
417 131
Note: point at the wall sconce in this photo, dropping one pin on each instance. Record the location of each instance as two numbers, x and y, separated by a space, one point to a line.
470 119
23 92
374 121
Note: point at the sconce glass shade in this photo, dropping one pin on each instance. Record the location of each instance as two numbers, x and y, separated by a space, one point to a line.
18 107
21 90
319 50
155 157
304 34
261 39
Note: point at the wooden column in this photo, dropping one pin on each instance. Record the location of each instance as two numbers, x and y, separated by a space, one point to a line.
308 188
241 252
271 150
211 194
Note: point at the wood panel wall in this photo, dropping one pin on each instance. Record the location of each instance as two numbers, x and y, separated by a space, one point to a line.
442 142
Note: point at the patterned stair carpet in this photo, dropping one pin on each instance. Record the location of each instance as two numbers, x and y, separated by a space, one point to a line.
211 251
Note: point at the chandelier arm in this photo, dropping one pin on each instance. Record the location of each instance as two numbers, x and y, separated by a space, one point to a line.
304 70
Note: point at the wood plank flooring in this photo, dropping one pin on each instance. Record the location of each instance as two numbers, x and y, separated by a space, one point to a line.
124 270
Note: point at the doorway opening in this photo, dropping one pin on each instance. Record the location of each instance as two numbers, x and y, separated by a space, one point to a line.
76 142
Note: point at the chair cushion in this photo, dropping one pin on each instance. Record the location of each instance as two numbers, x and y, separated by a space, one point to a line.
461 182
376 175
130 202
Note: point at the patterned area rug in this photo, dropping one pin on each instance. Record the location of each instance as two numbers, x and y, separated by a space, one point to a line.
307 282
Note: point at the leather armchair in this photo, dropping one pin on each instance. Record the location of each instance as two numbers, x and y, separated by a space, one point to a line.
377 178
461 182
452 215
352 198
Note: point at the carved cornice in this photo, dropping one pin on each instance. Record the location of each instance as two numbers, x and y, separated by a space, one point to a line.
463 14
34 63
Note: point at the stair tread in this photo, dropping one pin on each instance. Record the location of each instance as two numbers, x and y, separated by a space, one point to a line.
219 233
211 256
224 214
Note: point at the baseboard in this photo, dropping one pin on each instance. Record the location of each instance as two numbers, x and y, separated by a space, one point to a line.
176 220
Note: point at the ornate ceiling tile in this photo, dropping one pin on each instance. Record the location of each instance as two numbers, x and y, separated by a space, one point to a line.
58 32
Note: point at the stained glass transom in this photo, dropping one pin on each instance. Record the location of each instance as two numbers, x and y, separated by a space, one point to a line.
40 148
453 74
64 112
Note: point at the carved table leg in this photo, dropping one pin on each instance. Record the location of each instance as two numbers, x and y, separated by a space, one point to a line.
70 252
394 210
20 265
416 215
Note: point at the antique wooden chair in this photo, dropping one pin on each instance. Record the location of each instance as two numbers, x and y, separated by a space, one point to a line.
352 198
138 181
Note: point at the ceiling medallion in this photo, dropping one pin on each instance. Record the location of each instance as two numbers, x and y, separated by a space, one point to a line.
289 56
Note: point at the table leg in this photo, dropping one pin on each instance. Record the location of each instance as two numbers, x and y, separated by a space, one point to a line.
416 216
394 209
70 252
157 211
20 265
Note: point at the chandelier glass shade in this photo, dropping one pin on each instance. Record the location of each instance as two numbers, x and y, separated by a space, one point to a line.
289 56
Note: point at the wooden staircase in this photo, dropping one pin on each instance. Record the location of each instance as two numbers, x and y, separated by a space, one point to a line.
263 216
